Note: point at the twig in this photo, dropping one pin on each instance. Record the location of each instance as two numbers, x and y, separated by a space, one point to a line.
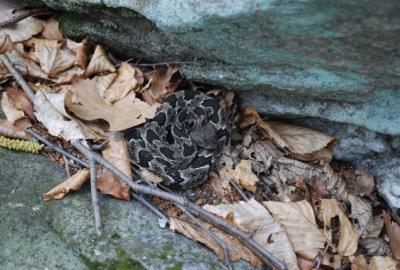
66 167
321 256
18 77
264 255
239 190
140 198
218 240
56 148
95 198
25 14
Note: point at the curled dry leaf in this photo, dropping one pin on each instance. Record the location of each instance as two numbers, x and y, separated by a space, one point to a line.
24 64
51 30
73 183
19 100
116 152
82 51
123 83
237 251
5 44
348 236
252 217
383 262
23 30
12 113
159 85
99 62
242 175
361 212
299 222
125 113
296 139
50 111
103 82
9 131
393 231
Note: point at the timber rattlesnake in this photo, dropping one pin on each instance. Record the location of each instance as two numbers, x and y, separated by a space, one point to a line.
183 141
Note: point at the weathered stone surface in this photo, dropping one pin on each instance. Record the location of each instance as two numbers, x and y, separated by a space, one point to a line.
61 235
336 60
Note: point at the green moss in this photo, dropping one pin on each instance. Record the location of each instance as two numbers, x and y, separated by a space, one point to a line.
122 263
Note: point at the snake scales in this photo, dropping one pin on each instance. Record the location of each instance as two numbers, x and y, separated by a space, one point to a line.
183 141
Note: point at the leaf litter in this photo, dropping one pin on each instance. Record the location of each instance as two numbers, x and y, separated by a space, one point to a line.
302 207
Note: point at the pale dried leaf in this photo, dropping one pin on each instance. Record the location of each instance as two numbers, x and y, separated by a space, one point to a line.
51 30
123 83
299 221
11 112
237 251
69 75
159 85
103 82
123 114
25 65
50 112
359 263
19 100
252 217
5 44
23 29
10 131
381 262
150 176
393 231
348 235
99 62
73 183
44 52
361 212
219 187
242 175
82 51
64 60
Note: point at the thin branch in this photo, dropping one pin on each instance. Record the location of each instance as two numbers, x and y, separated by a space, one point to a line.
66 167
95 198
56 148
140 198
239 190
18 77
218 240
244 237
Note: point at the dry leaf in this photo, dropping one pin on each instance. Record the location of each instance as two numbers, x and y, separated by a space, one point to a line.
375 226
19 100
383 263
393 231
51 30
299 221
159 85
237 251
242 175
359 263
99 62
25 65
10 131
296 139
348 236
361 183
334 183
11 112
69 75
103 82
5 44
64 60
150 176
73 183
23 29
123 83
252 217
123 114
82 51
361 212
116 152
50 111
110 184
374 246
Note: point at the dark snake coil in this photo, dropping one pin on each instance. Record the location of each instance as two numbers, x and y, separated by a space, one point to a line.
183 141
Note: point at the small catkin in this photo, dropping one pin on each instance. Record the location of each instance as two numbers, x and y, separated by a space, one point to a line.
20 145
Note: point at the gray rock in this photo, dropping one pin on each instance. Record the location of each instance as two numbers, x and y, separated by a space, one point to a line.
60 234
389 187
335 60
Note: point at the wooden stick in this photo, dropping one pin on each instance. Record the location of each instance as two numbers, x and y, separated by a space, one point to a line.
246 238
95 198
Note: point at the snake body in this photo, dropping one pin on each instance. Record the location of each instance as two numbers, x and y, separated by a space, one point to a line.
183 141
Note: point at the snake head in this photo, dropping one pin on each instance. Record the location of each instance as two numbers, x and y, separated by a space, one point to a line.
205 136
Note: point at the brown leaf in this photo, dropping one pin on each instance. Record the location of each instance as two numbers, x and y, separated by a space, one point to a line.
103 82
383 262
123 114
5 44
23 29
348 236
361 183
99 62
69 75
237 251
116 152
242 175
299 221
159 85
393 231
123 83
51 30
82 51
10 131
359 263
252 217
296 139
12 113
19 100
109 184
73 183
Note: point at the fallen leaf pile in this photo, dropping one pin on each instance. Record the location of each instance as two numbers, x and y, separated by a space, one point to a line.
306 210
